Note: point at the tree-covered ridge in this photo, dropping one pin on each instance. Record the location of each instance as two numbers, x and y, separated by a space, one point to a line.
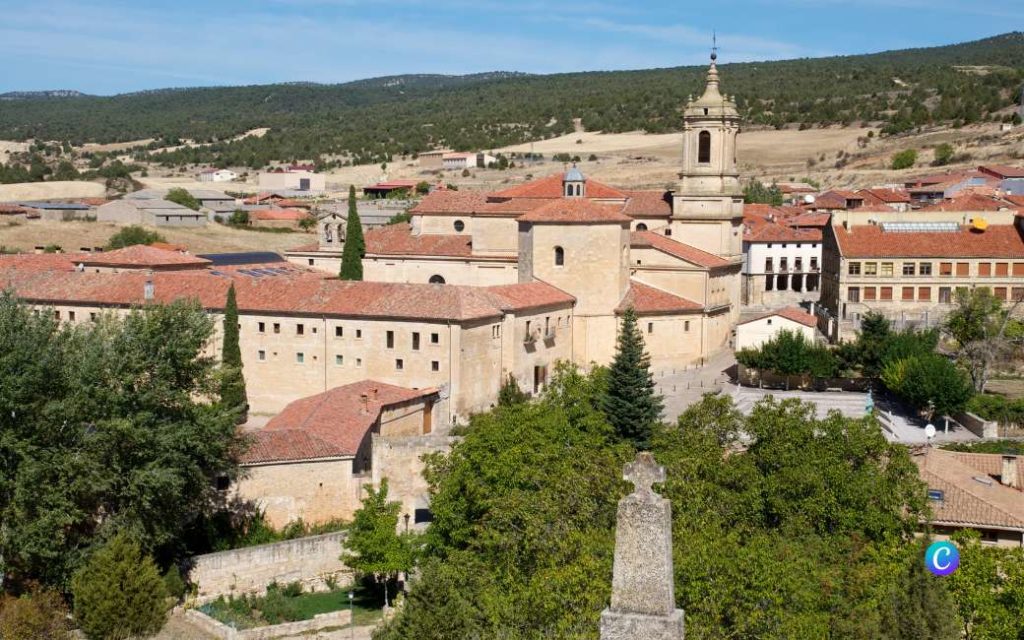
369 121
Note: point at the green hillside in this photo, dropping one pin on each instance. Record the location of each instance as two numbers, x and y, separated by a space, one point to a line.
371 120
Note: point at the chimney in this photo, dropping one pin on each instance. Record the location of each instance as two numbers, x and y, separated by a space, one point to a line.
148 291
364 399
1009 475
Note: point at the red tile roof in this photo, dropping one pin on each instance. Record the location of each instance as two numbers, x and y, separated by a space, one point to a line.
950 177
971 498
991 464
278 214
142 256
885 196
576 211
646 204
967 202
648 300
334 423
12 209
781 233
796 314
292 292
810 219
551 187
446 201
1002 171
677 249
870 241
398 239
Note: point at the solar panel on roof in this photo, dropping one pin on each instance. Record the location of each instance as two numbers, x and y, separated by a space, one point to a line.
920 227
243 257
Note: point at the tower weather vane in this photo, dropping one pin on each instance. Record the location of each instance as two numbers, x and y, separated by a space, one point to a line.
714 45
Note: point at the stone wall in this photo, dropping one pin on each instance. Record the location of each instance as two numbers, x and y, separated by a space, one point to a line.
308 560
977 425
400 461
220 630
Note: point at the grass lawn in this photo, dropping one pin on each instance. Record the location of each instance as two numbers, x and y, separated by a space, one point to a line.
287 604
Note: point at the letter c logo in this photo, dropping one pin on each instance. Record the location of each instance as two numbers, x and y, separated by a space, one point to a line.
942 558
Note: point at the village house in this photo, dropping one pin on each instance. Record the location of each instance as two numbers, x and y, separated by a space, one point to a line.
754 332
781 255
212 174
298 178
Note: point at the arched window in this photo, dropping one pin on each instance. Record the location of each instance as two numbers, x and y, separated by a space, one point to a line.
579 189
328 235
436 279
704 147
459 225
568 190
641 227
559 256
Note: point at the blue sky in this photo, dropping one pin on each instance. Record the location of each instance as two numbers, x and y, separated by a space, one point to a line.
113 46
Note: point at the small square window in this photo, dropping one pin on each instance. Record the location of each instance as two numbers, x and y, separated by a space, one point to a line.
261 355
769 320
261 327
93 316
359 362
399 364
339 359
650 327
300 329
391 339
339 332
435 365
71 315
435 338
686 325
277 327
359 334
300 357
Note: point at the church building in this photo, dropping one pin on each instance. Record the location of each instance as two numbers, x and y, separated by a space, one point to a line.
674 256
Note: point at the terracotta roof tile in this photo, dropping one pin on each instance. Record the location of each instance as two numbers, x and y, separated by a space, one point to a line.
677 249
810 219
991 464
142 256
870 241
551 187
530 295
796 314
646 204
1002 171
968 202
278 214
329 424
576 211
398 239
444 201
12 209
966 500
648 300
782 233
885 196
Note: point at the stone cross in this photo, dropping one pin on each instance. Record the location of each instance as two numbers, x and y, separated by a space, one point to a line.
643 602
643 472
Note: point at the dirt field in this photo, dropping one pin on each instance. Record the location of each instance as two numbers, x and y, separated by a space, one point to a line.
213 238
50 191
7 148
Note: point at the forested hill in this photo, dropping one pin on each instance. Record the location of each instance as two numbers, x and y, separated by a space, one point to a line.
369 120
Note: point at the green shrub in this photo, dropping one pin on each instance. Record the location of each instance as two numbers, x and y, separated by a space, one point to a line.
118 592
790 353
37 616
904 159
929 382
174 583
182 197
132 235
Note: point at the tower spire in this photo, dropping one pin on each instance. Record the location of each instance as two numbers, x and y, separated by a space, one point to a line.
714 46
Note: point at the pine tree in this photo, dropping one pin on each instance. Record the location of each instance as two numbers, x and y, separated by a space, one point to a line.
630 403
232 391
355 246
119 593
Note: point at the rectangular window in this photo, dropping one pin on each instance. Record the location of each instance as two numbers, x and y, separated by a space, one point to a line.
71 315
300 357
391 339
359 334
415 340
93 316
300 329
908 293
1018 269
814 263
963 268
650 327
399 364
783 264
945 295
277 327
984 269
908 268
945 268
886 293
887 269
56 314
769 265
1017 293
1003 269
495 331
1000 292
854 269
359 362
869 293
339 359
261 355
261 327
686 325
798 264
871 268
853 294
925 268
435 365
924 293
435 338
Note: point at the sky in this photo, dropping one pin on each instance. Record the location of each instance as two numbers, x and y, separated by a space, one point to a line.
115 46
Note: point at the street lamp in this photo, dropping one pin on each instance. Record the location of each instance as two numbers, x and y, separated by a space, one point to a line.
351 617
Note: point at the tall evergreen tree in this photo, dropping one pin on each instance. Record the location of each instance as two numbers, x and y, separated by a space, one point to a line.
355 245
232 391
630 403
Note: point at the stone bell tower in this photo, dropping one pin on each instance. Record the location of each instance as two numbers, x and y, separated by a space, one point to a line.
707 205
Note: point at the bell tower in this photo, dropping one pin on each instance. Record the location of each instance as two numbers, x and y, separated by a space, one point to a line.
707 205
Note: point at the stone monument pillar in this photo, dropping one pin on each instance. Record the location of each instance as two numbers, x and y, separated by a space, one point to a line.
643 601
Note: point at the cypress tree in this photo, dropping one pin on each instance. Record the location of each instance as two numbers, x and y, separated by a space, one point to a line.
232 391
355 245
630 402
